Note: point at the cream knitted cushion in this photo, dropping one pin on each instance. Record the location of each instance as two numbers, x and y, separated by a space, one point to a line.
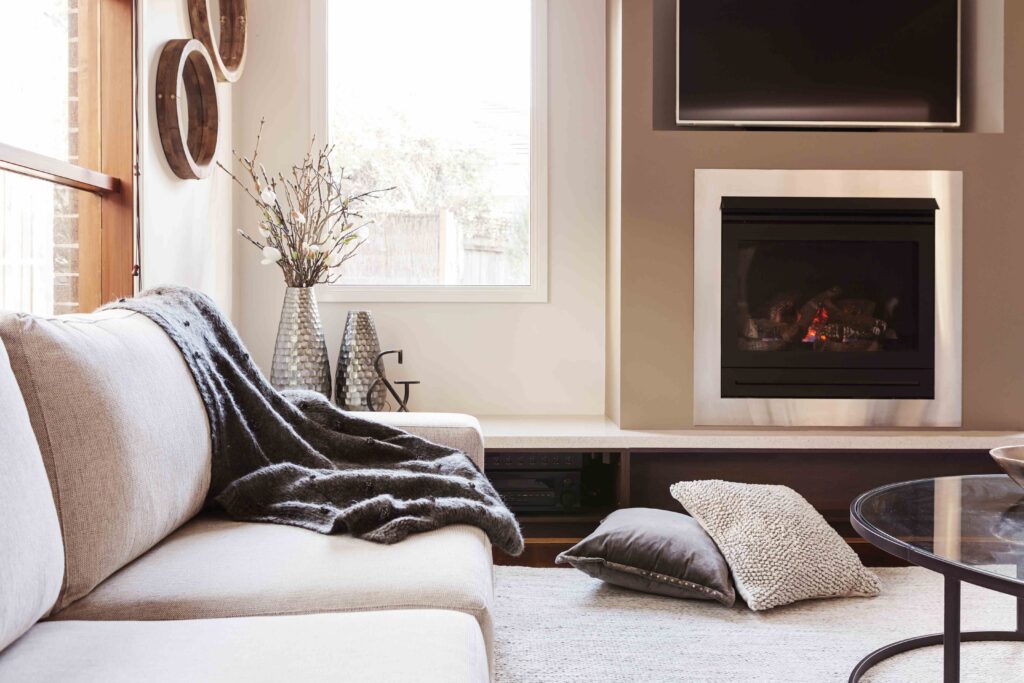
779 549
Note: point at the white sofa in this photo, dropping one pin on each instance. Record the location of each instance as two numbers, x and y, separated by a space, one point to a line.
111 571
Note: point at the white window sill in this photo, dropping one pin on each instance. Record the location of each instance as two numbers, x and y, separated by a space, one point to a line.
439 294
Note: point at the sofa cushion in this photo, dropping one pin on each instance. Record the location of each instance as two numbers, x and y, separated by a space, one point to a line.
31 554
455 430
214 567
122 430
426 646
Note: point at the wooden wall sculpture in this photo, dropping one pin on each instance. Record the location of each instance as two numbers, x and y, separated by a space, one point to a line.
229 55
197 64
189 151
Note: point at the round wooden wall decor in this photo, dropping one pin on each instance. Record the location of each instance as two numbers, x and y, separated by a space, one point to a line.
229 55
190 153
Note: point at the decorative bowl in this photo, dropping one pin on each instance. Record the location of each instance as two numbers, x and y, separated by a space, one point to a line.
1011 459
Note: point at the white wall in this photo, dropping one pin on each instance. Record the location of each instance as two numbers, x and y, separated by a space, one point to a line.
186 224
477 358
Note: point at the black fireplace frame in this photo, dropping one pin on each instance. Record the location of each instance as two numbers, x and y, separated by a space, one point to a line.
795 374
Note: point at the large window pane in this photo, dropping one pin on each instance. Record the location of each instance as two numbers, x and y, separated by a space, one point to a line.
434 99
49 233
48 49
40 254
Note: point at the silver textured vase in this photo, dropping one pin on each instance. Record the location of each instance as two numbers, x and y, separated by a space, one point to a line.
356 374
300 355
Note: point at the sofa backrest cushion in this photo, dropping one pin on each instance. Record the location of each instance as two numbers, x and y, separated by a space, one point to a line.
122 431
31 554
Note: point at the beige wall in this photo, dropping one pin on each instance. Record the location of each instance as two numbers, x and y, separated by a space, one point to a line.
186 224
656 330
479 358
613 314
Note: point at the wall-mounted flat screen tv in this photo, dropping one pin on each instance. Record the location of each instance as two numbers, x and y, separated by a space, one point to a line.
818 63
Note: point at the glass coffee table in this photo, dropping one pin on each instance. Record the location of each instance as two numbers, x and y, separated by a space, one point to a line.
965 528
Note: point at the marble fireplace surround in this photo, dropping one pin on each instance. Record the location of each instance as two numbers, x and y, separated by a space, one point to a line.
710 409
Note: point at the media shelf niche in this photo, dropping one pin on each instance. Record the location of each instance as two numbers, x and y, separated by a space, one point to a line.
828 477
559 494
981 69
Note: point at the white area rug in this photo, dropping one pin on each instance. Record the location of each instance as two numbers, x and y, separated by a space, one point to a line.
561 625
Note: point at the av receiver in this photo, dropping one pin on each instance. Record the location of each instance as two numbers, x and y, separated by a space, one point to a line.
547 482
538 491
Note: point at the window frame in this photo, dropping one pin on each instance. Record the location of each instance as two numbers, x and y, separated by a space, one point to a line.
537 290
108 239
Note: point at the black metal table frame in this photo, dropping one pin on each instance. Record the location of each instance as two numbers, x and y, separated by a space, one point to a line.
953 574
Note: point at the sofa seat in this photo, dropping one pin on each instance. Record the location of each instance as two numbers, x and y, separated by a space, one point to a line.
214 567
392 646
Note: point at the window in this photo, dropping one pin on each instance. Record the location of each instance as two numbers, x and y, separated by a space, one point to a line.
66 203
444 101
42 229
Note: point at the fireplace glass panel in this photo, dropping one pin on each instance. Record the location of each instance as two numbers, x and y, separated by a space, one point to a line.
827 296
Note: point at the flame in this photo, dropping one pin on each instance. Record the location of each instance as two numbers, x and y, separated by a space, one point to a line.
820 318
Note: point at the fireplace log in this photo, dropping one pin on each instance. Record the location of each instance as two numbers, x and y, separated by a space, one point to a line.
857 307
761 344
782 306
855 326
861 345
763 328
843 332
742 315
807 312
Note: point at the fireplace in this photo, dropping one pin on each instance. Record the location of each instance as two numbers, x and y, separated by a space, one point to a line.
828 298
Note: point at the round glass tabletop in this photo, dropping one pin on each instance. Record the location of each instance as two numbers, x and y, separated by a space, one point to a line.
969 526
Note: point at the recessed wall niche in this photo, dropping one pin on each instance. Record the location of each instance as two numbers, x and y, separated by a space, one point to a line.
713 407
982 69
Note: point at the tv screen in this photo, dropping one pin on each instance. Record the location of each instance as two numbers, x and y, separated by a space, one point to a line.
847 63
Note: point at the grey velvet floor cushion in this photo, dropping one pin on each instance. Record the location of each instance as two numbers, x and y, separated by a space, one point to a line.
655 551
778 547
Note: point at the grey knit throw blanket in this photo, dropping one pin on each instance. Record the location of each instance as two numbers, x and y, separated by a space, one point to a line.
291 457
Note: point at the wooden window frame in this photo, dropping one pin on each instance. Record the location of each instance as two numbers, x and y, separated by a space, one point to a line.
107 238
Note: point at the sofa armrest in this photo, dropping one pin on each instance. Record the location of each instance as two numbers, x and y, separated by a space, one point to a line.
454 430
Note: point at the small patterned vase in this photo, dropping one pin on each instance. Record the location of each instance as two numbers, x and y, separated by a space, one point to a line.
300 355
356 374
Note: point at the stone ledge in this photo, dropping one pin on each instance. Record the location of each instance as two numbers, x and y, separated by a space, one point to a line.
599 433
